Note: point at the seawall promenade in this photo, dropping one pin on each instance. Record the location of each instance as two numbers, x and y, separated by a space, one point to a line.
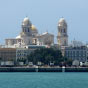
43 69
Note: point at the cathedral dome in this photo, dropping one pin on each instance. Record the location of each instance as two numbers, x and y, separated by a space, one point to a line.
62 22
33 28
26 21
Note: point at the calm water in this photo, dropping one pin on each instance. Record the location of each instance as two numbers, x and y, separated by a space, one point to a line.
44 80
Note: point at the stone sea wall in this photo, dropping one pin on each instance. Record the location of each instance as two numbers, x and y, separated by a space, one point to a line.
43 69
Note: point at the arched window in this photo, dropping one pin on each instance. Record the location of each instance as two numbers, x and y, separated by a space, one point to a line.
28 30
59 30
25 30
65 43
64 31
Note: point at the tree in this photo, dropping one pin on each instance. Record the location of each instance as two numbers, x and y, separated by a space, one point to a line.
0 58
69 62
46 55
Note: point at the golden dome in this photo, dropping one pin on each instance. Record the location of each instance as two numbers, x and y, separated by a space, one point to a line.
33 27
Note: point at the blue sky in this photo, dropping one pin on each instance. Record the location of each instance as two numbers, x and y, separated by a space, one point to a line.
44 14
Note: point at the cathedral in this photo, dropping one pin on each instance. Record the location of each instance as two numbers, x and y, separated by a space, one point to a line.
29 36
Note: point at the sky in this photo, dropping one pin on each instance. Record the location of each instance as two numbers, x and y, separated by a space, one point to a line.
44 14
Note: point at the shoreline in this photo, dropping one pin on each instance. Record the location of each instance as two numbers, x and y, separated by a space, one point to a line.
43 69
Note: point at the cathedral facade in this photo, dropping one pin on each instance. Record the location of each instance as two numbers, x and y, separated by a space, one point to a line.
29 36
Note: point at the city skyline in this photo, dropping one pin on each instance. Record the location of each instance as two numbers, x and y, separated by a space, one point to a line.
45 16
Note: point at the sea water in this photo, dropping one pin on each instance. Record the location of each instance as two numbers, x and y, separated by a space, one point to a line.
43 80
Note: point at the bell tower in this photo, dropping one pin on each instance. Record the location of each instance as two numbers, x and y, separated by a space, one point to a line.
26 26
62 37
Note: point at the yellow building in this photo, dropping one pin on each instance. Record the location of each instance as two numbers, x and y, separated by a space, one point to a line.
8 54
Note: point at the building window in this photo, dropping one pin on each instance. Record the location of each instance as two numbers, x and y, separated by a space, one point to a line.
28 30
64 31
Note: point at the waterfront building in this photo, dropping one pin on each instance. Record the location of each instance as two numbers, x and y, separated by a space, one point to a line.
11 56
7 56
21 54
76 53
29 36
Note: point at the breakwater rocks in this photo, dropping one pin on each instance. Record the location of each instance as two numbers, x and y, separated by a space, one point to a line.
43 69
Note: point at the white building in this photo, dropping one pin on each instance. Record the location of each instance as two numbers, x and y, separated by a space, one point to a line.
76 43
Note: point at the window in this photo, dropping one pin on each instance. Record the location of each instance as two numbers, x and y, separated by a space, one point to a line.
28 30
64 31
